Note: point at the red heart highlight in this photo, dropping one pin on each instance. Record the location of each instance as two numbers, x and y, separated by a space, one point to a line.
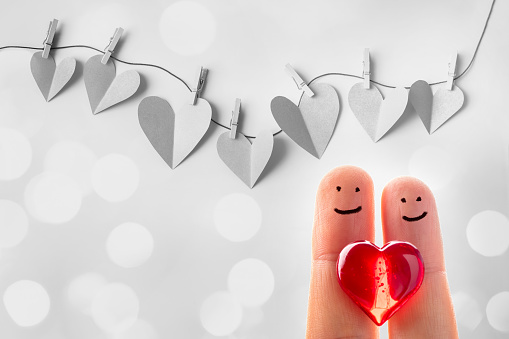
380 280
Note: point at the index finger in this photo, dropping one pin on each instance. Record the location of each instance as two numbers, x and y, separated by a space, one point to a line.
344 213
409 213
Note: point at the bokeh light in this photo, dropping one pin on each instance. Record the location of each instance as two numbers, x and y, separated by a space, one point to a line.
53 197
13 224
187 28
82 290
115 308
221 314
140 330
433 165
237 217
15 154
115 177
129 245
251 281
497 311
488 233
467 310
26 302
73 159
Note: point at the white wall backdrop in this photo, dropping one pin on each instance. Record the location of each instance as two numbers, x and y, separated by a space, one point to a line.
100 239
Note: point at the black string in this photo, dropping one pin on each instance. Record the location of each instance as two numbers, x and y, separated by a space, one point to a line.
431 84
309 83
113 57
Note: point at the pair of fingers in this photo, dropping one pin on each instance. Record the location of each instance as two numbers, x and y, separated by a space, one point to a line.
345 213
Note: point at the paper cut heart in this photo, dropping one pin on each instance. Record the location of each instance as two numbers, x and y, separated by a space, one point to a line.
173 135
312 123
380 281
244 159
435 110
376 114
49 77
104 89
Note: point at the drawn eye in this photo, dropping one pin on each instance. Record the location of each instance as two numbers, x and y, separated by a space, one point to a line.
357 189
338 188
418 199
403 200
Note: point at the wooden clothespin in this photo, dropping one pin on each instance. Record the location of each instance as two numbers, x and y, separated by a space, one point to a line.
366 69
196 92
235 119
452 70
111 46
49 38
301 84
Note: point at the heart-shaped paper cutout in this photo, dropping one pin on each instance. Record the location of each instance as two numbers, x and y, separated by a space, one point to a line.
435 110
244 159
104 89
312 123
173 135
380 281
376 114
49 77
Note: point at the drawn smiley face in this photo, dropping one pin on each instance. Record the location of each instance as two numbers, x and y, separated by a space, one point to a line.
348 211
417 218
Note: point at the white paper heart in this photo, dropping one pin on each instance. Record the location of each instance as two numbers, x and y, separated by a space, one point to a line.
312 123
104 89
435 110
244 159
49 77
376 114
173 135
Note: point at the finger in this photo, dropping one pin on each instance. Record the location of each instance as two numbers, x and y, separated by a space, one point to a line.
409 214
343 214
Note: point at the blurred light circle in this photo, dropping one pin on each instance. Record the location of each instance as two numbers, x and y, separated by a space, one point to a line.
237 217
467 310
82 290
221 314
15 154
497 311
115 177
488 233
251 281
13 224
53 197
129 245
187 28
140 330
433 165
27 302
115 308
73 159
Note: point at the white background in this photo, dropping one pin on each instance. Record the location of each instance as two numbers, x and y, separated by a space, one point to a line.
198 253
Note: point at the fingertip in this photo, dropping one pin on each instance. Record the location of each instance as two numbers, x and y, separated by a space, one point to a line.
344 178
344 210
409 213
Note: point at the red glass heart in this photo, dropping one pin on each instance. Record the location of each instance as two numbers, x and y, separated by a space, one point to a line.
380 280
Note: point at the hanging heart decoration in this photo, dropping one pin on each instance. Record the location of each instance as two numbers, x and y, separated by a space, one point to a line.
173 134
49 77
311 124
244 159
435 109
376 114
104 87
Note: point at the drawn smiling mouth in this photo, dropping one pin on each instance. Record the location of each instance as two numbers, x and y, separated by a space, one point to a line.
355 210
415 218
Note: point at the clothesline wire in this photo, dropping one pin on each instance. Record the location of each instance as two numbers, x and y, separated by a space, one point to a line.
309 83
